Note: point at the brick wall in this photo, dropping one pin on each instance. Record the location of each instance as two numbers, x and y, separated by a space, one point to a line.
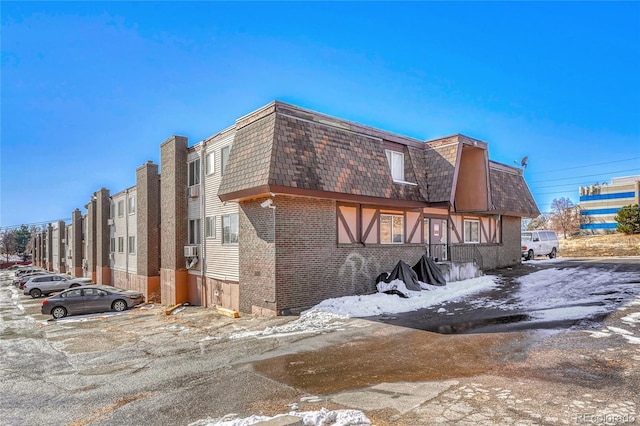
102 234
148 220
309 264
257 258
76 250
173 210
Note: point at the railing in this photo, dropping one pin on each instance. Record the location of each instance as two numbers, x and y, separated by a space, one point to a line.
466 253
438 251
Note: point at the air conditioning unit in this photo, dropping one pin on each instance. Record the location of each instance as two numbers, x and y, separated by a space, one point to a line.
110 222
194 191
111 256
63 241
190 251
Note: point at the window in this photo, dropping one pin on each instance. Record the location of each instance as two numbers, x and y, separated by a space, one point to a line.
112 209
194 172
230 229
396 164
120 244
194 231
132 245
471 231
112 245
132 204
391 229
209 163
210 227
224 157
120 208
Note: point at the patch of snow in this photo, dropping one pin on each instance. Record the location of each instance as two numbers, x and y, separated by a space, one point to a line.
631 318
620 331
309 418
441 311
557 288
312 321
397 285
380 303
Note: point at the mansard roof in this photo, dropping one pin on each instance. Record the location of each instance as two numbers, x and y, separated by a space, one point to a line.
282 148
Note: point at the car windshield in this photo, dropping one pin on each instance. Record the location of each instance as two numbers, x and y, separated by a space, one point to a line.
526 236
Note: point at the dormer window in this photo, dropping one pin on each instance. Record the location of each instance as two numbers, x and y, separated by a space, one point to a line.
396 164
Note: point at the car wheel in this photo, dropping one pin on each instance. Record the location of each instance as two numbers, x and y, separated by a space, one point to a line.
552 255
530 255
59 312
74 285
119 305
35 293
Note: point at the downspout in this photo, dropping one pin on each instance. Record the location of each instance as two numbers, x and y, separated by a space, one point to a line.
203 214
126 234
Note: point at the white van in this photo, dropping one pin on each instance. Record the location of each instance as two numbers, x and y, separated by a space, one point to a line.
539 243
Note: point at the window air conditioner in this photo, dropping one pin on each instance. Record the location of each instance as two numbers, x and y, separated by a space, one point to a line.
194 191
190 251
110 222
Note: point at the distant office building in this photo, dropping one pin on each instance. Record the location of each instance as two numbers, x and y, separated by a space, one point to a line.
600 203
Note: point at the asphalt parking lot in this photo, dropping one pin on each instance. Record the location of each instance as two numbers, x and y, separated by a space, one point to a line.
144 367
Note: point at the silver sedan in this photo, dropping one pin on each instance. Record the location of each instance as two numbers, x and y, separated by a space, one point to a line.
90 299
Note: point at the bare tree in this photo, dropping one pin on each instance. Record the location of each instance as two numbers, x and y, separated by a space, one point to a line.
565 216
8 244
540 222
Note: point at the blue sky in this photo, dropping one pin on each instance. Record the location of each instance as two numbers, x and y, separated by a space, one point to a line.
89 90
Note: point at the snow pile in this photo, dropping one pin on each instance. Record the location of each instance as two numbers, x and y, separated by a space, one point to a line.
553 293
322 417
311 322
380 303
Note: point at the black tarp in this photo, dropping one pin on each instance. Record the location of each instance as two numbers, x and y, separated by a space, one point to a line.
427 271
403 272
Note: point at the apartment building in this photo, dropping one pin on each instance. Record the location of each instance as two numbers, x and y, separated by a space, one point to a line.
288 207
599 204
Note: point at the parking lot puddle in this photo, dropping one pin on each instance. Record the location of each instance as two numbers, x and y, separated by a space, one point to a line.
406 355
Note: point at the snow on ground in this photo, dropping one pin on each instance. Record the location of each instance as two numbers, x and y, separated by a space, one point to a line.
381 303
558 294
309 418
311 322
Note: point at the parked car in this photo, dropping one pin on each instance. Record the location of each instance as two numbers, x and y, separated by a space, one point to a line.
539 243
28 270
90 299
21 281
47 284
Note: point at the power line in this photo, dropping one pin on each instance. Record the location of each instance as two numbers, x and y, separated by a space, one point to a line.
576 177
38 224
587 165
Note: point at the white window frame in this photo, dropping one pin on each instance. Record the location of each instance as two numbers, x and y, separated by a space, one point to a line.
120 244
395 218
131 208
131 244
468 231
112 245
193 172
210 163
194 231
210 227
397 173
224 159
227 229
120 208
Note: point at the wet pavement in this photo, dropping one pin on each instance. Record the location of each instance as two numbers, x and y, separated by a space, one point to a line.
143 367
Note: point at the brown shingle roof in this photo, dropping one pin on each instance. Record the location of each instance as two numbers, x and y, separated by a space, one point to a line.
285 147
509 192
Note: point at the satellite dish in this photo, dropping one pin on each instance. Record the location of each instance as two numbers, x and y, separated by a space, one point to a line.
523 162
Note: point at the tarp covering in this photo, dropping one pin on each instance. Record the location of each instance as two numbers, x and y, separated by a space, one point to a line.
403 272
427 271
